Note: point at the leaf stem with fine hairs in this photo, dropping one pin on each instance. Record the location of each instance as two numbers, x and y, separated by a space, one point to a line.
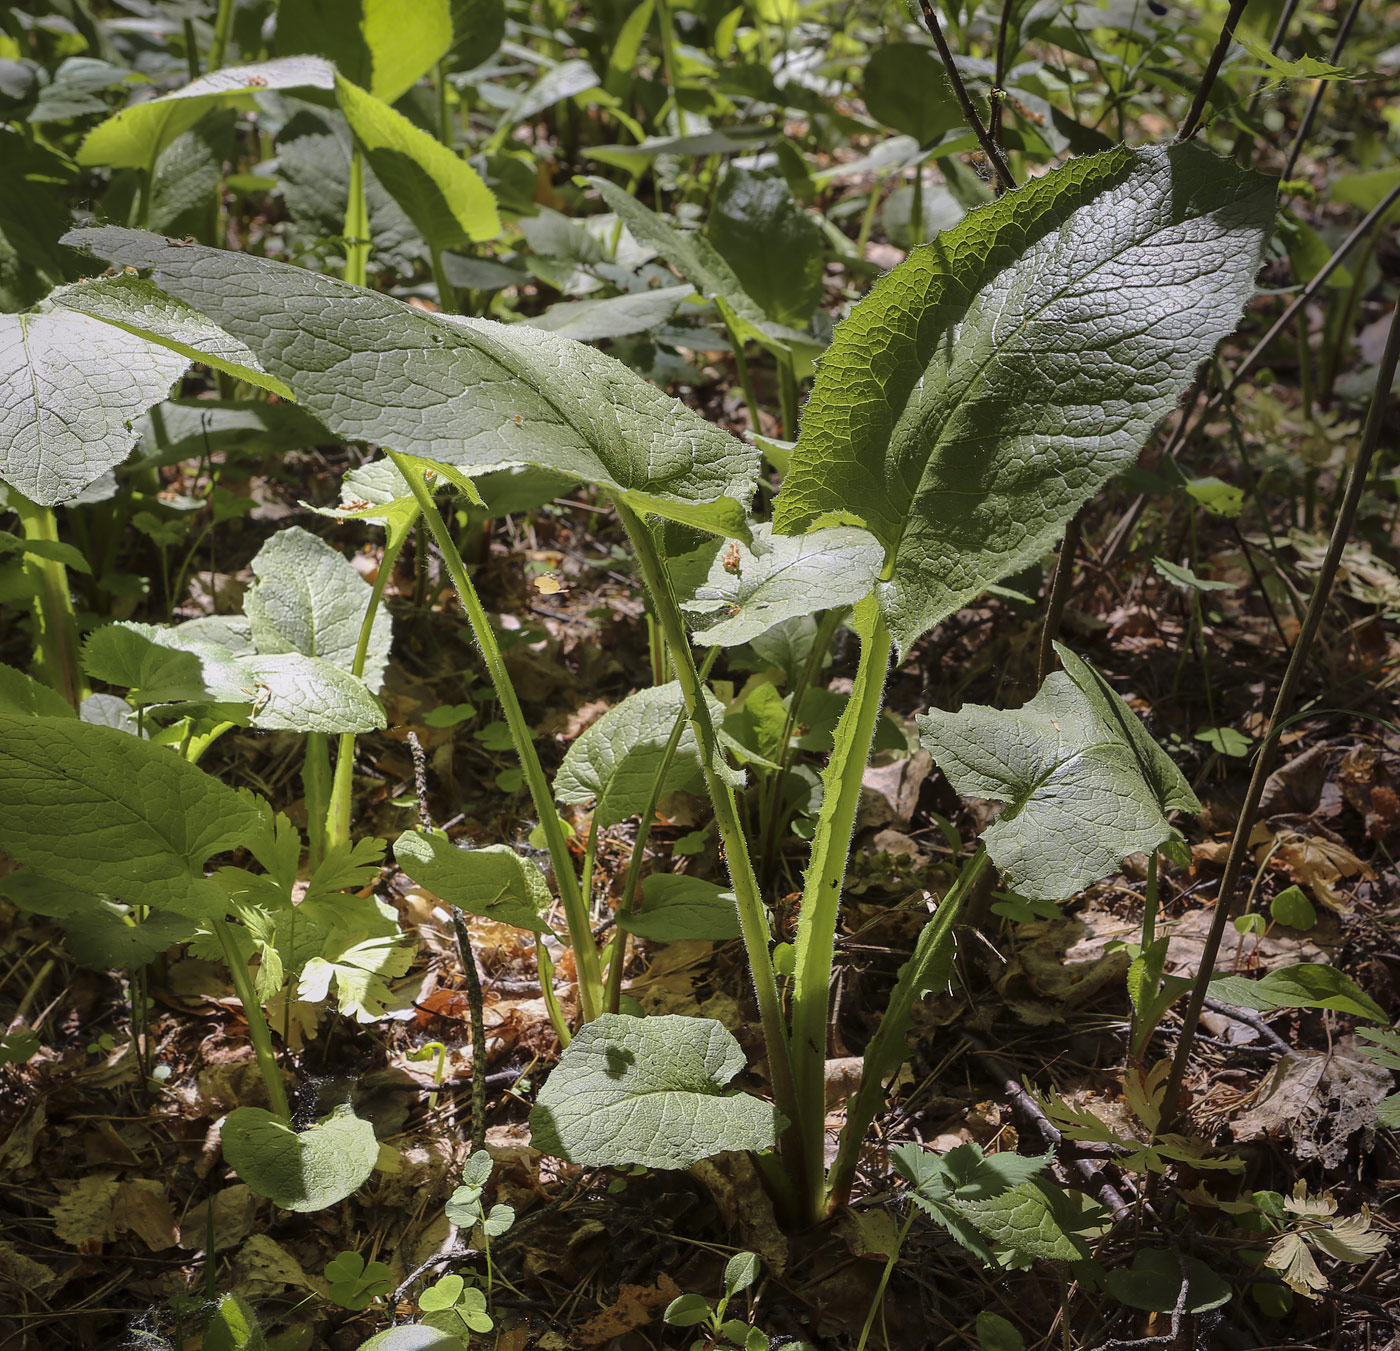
1283 704
984 137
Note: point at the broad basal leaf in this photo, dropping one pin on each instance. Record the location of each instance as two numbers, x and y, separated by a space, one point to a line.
774 247
1085 786
469 393
676 908
307 597
732 594
132 138
438 190
144 310
995 379
300 1170
382 45
71 389
1305 985
494 882
296 693
615 761
906 88
162 664
110 813
649 1092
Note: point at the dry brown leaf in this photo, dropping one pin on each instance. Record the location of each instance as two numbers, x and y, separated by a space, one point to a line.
733 1182
20 1274
636 1306
233 1219
263 1267
1319 865
17 1151
142 1208
83 1216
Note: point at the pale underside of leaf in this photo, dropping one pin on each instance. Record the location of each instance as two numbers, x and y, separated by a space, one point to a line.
71 390
470 393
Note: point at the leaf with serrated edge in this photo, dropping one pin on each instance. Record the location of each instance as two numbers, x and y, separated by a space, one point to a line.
494 882
22 694
995 379
1085 786
301 1171
141 308
614 762
71 390
1305 985
106 812
307 597
649 1091
468 393
732 594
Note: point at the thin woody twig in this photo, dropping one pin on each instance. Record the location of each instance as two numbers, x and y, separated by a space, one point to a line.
984 137
1198 105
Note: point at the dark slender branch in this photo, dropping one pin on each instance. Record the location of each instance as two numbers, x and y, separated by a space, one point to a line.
997 100
1305 126
1283 706
1059 597
984 137
478 1014
1198 105
1189 426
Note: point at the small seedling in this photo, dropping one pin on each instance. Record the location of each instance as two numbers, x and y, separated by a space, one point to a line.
695 1311
454 1307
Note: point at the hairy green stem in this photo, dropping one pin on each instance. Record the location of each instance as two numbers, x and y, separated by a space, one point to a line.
223 26
447 293
357 223
787 394
54 614
753 921
258 1032
741 368
1283 707
821 895
590 983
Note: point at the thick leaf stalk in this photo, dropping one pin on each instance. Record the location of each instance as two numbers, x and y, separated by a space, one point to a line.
258 1032
590 981
821 895
57 622
752 918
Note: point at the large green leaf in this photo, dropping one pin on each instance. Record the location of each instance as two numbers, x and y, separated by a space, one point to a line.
134 137
384 46
300 1170
614 762
307 597
296 693
676 908
649 1091
71 389
906 88
1305 985
106 812
774 247
441 194
732 594
145 310
995 379
1084 783
494 882
464 392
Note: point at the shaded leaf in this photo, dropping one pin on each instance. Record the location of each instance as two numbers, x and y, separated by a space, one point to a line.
300 1170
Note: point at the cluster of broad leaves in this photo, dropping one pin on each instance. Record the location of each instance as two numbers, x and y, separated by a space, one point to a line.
982 392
